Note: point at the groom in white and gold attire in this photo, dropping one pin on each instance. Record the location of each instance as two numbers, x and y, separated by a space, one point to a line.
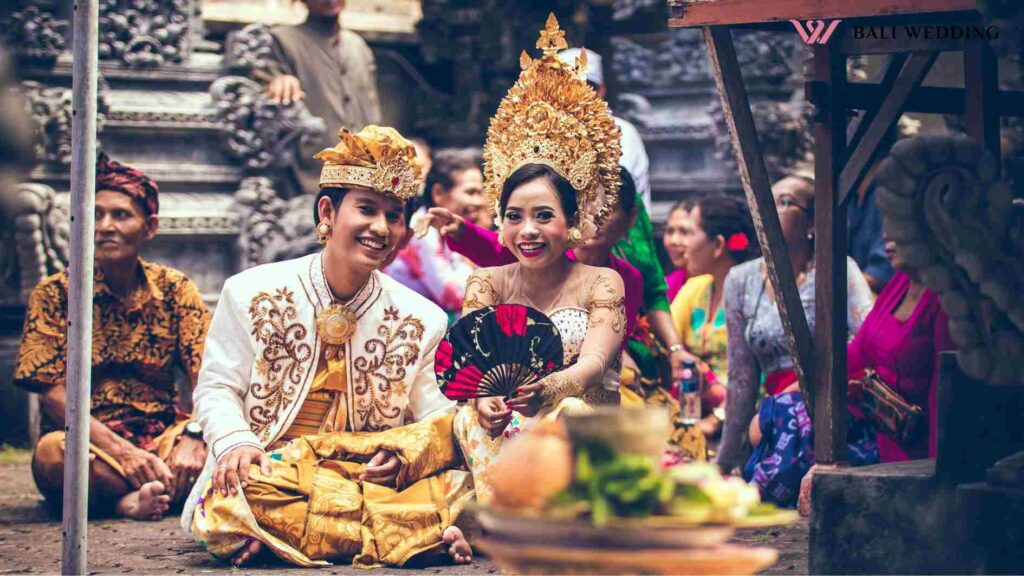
329 437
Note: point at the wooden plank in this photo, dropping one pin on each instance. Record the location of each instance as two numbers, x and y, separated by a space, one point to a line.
981 88
830 294
726 71
930 99
685 13
889 112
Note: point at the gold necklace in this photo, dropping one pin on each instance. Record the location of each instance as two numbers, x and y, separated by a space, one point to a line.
336 324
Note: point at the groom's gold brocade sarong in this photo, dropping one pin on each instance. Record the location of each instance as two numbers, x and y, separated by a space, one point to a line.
313 508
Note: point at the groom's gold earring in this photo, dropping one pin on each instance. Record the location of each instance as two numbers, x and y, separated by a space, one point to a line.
323 232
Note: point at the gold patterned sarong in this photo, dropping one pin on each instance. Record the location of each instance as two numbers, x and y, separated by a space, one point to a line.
312 508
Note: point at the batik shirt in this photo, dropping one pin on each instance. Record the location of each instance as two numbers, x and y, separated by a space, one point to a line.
136 344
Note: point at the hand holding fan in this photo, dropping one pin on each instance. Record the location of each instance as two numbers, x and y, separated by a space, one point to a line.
495 350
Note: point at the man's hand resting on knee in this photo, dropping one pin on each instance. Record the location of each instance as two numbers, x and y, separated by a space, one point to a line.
233 468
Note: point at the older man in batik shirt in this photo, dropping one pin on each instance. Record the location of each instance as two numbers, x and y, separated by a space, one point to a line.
148 320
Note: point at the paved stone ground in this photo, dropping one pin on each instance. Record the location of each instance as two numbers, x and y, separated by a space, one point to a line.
30 542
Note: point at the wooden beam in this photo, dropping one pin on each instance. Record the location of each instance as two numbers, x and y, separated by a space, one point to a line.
725 69
858 126
930 99
686 13
916 68
830 330
981 88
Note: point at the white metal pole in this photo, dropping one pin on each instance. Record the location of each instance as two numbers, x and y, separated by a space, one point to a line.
79 337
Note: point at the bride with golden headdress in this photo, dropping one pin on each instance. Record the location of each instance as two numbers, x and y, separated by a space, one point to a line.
551 171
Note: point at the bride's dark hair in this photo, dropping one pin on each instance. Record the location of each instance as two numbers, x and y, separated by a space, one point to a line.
530 172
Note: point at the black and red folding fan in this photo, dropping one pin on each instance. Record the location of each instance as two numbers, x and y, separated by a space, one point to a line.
495 350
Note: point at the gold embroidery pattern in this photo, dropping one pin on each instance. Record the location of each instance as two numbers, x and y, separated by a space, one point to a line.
280 363
480 292
380 374
603 300
558 387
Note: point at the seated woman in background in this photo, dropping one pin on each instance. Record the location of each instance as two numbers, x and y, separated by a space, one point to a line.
757 350
900 340
716 234
673 243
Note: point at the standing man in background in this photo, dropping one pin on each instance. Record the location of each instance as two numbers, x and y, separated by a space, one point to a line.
329 68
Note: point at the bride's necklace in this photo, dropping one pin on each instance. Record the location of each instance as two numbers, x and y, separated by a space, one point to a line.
336 324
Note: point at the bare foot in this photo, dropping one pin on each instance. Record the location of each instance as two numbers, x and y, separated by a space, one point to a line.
147 503
458 546
248 552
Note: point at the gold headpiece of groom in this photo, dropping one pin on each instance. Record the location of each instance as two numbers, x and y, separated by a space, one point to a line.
551 116
377 158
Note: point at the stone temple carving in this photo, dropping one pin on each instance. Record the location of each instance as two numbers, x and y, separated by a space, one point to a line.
955 222
145 33
272 229
256 132
248 52
41 234
680 59
36 31
50 111
783 129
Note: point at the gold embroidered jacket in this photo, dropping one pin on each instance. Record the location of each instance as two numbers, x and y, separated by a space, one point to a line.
262 353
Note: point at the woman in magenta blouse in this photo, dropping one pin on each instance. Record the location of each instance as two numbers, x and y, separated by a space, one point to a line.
901 339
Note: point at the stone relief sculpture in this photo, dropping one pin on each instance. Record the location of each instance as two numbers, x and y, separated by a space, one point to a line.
256 132
961 227
783 129
50 111
145 33
248 52
36 31
272 229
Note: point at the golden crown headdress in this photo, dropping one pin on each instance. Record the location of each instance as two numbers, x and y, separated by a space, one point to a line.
551 116
377 158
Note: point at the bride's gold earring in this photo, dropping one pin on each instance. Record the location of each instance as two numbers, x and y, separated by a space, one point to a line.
501 234
323 232
574 237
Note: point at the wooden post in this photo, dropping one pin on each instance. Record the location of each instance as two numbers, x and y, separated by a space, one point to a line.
79 353
981 85
829 260
726 70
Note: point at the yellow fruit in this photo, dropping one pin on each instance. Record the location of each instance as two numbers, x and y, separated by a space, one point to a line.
530 470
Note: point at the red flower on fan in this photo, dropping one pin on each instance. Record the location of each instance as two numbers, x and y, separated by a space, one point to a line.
465 384
443 359
511 319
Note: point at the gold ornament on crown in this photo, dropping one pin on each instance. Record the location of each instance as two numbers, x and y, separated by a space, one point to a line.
551 116
377 158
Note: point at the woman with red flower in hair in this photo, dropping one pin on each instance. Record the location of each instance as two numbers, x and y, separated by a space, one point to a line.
716 235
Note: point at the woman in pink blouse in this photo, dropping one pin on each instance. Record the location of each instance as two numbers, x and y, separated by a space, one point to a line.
901 339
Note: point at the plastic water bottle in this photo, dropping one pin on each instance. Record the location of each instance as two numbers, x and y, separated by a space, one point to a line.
689 393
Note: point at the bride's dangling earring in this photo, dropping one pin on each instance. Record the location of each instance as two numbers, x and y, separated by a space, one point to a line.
574 237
